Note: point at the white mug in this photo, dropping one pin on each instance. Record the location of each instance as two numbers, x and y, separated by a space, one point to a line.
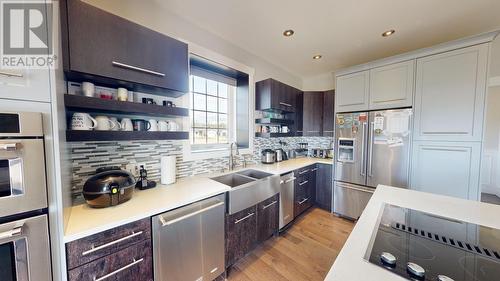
122 94
172 126
154 125
82 122
104 123
126 124
163 125
117 126
88 89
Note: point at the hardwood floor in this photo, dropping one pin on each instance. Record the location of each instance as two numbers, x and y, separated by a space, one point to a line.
305 252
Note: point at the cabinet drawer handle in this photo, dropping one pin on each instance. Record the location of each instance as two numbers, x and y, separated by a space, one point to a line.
131 67
302 183
10 233
134 234
303 172
315 169
269 205
9 146
11 74
135 262
167 223
303 201
244 218
285 104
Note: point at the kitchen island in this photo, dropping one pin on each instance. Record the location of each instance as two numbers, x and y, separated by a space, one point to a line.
350 264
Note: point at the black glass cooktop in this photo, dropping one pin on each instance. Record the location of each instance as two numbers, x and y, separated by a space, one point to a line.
422 246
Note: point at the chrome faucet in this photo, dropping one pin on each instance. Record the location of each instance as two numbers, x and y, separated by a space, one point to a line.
231 155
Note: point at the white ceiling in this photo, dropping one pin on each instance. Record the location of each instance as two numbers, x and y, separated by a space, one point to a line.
345 32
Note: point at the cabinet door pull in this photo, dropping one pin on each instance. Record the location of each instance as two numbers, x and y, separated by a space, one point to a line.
285 104
131 67
135 262
315 169
302 183
244 218
303 201
134 234
303 172
269 205
11 74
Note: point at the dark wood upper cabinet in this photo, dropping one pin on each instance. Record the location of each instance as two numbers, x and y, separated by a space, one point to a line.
324 186
110 50
312 114
272 95
328 113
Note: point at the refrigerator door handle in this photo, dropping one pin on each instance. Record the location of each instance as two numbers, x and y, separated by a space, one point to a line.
370 150
363 164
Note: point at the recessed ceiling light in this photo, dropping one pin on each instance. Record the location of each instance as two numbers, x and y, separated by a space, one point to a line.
317 57
388 33
288 32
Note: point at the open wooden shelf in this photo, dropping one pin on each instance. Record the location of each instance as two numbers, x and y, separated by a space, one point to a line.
72 136
89 104
273 121
274 135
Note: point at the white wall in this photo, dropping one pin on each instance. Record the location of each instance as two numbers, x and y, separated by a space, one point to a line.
321 82
495 58
148 14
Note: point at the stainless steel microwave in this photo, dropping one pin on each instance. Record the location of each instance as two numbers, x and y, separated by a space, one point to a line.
22 163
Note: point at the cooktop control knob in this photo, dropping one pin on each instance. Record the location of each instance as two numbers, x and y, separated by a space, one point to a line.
388 258
415 270
444 278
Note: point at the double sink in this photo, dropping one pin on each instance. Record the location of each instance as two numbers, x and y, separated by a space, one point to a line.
248 187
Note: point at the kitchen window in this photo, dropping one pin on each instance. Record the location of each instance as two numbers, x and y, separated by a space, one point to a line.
211 110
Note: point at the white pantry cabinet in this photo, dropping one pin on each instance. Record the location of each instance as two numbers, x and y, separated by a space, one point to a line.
25 84
450 95
352 92
446 168
391 86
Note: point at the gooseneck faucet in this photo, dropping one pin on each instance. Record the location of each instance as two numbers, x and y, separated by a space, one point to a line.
231 155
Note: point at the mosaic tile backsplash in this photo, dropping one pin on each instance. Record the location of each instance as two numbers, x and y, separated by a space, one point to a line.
86 157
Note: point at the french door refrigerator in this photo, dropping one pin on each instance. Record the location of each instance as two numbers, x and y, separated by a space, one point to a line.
372 148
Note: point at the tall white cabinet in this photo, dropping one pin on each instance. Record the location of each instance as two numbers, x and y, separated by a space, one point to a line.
446 86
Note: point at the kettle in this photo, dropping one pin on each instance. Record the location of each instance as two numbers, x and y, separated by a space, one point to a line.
281 155
268 156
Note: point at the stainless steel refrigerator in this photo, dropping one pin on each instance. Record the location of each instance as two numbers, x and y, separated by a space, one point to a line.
372 148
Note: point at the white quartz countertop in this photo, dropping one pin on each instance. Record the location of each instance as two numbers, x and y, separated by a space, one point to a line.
350 265
85 221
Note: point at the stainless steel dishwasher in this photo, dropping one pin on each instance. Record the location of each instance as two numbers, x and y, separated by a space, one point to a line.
188 243
286 198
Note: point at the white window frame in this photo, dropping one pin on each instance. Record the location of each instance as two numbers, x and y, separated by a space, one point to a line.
192 155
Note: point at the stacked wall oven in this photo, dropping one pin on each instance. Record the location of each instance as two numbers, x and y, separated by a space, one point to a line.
372 148
24 238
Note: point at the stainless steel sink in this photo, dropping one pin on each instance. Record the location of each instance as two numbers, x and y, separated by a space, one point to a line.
233 180
254 174
248 188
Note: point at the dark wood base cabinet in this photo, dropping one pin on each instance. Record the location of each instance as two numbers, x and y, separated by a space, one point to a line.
131 264
247 228
305 189
268 218
241 234
324 186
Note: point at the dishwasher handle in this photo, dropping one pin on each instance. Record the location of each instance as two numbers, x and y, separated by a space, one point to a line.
165 223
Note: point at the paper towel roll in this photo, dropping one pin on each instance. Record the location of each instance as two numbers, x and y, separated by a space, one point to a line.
168 169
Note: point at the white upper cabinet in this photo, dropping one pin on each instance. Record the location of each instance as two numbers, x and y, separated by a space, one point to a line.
392 86
25 84
450 94
352 91
446 168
